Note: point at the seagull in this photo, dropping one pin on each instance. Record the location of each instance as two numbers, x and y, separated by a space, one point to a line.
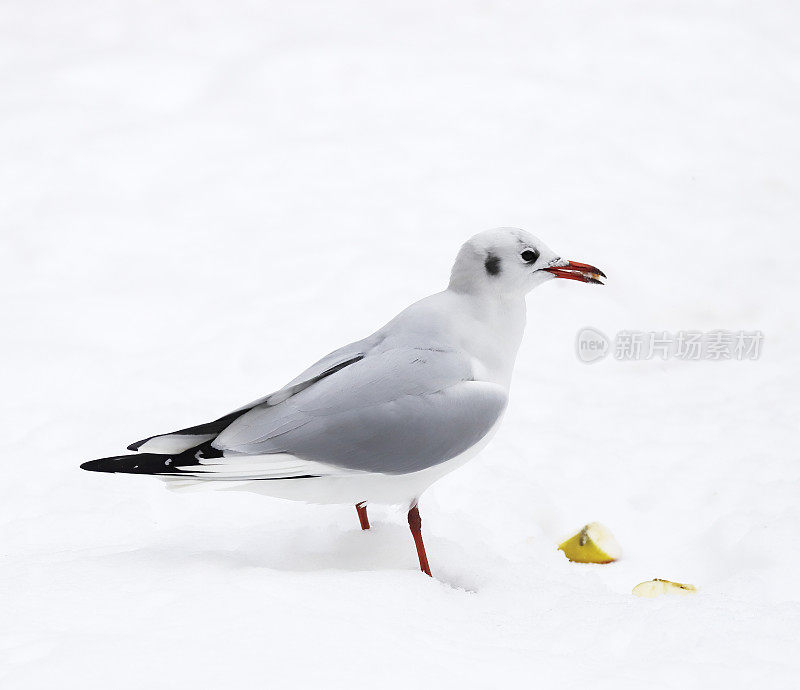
381 419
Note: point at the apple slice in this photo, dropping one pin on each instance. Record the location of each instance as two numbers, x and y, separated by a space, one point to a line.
657 587
593 544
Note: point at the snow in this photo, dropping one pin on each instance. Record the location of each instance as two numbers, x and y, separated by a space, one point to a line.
200 199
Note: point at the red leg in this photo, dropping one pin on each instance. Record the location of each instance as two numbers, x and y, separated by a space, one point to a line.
415 523
361 509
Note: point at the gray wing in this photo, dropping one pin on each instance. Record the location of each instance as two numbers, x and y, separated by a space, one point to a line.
394 412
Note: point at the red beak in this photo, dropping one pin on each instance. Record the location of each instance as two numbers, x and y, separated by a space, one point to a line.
578 271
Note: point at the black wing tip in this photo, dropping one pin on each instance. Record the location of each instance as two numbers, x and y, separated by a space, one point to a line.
101 465
141 463
152 463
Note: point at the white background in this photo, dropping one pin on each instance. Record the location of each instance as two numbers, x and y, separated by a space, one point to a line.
197 200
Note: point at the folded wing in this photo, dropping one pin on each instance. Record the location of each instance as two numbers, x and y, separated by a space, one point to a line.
395 411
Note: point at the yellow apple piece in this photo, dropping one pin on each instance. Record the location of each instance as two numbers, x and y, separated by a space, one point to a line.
593 544
655 588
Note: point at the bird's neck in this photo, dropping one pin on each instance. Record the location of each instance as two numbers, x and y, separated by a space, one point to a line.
490 328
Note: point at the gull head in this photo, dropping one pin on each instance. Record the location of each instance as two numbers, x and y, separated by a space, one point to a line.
510 261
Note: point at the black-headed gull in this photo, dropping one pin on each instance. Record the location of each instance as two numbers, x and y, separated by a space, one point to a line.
383 418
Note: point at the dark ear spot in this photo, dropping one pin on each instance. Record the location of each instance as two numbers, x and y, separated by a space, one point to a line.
492 265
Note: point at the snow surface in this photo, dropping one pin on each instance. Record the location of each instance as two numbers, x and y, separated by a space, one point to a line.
200 199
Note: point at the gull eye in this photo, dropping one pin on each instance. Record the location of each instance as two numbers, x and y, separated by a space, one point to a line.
530 256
